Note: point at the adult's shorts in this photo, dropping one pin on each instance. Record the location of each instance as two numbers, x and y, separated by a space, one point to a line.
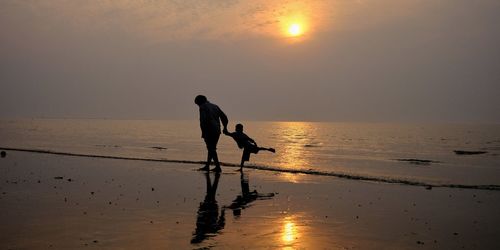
211 141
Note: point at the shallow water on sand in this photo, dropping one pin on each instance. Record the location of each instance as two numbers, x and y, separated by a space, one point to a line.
362 149
61 202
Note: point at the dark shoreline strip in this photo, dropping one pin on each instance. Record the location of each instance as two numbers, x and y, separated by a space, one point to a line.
274 169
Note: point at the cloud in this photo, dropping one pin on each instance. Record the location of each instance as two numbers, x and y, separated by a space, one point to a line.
361 60
167 20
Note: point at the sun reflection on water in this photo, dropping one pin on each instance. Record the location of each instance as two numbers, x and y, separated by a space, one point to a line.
290 177
290 232
294 137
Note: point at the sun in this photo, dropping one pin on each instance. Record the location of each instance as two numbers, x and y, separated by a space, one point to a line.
294 26
295 29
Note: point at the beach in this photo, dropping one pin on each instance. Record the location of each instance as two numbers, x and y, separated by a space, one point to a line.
68 202
356 124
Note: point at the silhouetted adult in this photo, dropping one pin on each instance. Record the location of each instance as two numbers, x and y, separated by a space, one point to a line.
208 221
211 117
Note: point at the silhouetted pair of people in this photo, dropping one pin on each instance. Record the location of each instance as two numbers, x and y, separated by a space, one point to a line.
211 117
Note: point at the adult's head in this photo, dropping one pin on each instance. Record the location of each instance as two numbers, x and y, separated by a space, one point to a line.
200 99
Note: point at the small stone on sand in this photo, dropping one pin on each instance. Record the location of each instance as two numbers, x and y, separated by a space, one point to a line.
465 152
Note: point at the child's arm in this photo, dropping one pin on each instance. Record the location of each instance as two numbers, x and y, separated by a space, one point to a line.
227 132
252 141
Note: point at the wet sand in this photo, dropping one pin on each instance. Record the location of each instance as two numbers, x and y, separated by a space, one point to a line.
65 202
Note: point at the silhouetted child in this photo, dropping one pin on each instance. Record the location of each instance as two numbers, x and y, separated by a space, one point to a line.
246 143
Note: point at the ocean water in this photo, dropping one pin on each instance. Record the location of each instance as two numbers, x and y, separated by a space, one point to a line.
359 149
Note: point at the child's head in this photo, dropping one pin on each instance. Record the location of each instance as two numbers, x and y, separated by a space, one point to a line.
239 127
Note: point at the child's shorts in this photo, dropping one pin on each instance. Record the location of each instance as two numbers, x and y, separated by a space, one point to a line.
249 150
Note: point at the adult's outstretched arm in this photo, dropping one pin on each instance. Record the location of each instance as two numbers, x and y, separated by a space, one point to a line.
223 119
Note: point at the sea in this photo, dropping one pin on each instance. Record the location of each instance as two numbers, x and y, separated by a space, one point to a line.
396 152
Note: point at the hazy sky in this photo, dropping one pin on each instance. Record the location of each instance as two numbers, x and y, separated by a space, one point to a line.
364 60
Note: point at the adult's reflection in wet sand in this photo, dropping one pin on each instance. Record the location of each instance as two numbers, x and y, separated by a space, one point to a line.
209 222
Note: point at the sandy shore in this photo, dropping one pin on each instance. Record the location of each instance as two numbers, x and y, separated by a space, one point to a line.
64 202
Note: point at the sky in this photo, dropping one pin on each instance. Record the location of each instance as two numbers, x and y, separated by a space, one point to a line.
333 60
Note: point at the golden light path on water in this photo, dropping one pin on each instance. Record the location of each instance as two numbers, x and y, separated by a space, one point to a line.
294 135
290 232
295 233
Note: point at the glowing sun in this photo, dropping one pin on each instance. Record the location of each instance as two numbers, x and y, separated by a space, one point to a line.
295 29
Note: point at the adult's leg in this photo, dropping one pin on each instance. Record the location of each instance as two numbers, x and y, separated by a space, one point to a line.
209 159
213 152
207 164
216 161
208 143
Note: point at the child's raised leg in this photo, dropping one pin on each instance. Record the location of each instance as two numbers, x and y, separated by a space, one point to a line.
268 149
